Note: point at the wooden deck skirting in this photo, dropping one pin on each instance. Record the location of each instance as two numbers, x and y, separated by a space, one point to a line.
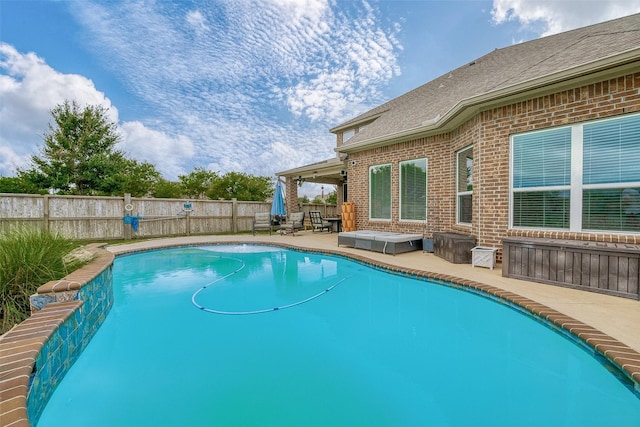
20 346
604 267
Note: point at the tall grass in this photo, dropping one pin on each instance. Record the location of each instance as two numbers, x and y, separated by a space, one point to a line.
29 257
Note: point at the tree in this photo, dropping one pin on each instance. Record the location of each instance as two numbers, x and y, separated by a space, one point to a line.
167 189
18 185
79 155
197 183
332 198
136 178
303 200
242 186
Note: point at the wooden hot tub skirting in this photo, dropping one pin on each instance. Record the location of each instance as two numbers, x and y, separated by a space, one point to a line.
610 268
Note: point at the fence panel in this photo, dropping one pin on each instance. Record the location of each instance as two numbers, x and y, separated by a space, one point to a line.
211 216
84 217
98 218
22 206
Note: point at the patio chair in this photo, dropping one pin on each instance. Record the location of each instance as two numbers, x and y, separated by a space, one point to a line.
296 222
317 223
261 221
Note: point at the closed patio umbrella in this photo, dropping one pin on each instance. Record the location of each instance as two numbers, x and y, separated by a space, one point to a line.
277 206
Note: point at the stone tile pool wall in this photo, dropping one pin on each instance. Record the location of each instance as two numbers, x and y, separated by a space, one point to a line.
65 345
36 354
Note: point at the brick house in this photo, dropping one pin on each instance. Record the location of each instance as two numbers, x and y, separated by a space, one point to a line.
538 140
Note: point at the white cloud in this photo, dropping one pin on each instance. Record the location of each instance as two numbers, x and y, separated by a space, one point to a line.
359 60
197 21
299 9
557 16
30 89
227 85
166 153
246 86
10 161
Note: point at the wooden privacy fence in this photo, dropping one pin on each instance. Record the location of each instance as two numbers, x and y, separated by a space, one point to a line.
115 218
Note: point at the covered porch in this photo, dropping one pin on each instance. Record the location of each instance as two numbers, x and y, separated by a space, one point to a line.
327 172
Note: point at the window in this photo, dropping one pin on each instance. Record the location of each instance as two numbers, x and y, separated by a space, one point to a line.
347 135
380 192
542 179
581 177
611 175
413 190
464 185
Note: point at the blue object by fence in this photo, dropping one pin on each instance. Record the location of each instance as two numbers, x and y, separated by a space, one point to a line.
132 220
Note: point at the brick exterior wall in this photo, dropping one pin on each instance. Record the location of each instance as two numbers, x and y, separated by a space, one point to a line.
489 132
291 195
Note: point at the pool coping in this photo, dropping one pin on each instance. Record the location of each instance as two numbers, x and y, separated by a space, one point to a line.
20 346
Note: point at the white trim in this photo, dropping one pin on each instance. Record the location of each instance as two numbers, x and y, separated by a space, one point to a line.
575 193
510 196
463 193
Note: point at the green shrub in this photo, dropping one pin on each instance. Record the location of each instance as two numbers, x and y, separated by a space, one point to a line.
29 258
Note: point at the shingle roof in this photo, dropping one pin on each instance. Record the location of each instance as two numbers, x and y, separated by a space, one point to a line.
496 73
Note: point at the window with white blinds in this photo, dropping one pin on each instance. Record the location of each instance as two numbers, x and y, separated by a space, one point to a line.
611 176
413 190
541 179
584 177
380 192
464 185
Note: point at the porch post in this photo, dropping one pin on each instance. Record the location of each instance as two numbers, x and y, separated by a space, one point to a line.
291 195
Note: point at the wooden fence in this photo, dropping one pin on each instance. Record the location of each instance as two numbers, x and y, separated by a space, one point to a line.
116 218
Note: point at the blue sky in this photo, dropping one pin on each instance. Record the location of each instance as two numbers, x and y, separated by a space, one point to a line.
249 86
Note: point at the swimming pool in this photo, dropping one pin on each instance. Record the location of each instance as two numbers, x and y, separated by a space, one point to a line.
347 345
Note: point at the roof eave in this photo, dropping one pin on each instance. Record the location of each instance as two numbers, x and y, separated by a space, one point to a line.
309 172
465 108
354 123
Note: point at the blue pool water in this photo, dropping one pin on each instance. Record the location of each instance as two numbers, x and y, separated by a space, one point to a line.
347 346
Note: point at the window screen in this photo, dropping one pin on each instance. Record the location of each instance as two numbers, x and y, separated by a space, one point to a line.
380 192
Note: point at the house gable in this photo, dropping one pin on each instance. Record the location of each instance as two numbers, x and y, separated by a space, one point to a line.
504 76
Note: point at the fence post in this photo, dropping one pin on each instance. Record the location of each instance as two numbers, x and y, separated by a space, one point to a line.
126 228
234 215
45 213
187 215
